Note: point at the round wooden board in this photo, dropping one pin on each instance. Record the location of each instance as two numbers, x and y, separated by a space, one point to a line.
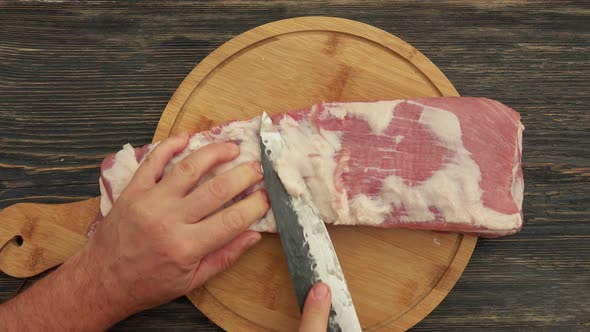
396 276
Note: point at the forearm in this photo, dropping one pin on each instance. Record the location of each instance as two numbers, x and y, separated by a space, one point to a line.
162 238
74 297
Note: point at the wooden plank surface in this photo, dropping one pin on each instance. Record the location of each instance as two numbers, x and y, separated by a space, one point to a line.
77 80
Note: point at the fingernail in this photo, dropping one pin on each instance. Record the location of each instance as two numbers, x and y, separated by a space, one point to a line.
320 291
254 240
257 167
232 147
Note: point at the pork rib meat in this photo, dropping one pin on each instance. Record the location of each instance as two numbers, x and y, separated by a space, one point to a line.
444 163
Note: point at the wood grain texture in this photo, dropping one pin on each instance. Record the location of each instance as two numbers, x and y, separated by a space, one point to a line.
35 237
77 80
396 277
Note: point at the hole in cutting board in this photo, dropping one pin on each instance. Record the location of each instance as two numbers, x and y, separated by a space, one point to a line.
17 239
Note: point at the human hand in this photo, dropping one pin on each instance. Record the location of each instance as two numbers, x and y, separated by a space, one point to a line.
161 239
316 309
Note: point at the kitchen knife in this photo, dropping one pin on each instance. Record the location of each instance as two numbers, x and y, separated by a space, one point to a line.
304 237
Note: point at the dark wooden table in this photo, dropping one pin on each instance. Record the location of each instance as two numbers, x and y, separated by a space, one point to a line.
78 80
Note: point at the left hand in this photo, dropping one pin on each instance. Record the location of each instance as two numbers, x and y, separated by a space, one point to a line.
162 238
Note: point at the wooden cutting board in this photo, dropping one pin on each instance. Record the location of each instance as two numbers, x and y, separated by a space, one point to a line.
396 277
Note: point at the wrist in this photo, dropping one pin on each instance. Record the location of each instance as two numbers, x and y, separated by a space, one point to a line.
98 289
79 295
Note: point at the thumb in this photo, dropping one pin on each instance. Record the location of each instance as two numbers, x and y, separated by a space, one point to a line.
316 309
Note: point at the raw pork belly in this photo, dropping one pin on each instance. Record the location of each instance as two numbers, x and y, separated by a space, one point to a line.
445 164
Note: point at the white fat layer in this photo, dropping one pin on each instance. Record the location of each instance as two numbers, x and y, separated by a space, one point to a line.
377 114
327 266
445 126
118 176
105 204
517 188
307 164
454 190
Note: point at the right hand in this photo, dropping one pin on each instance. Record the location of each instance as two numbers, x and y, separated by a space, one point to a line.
316 309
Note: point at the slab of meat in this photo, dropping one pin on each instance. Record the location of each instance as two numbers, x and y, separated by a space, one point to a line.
445 164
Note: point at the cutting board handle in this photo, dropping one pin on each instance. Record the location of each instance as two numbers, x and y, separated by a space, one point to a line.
37 237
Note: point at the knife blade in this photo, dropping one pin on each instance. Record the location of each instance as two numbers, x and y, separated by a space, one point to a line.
306 243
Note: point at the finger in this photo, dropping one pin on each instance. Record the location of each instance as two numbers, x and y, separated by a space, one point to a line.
224 257
152 167
185 175
316 309
215 192
226 224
